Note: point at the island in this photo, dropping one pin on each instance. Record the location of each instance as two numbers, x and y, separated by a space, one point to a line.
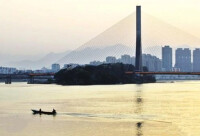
105 74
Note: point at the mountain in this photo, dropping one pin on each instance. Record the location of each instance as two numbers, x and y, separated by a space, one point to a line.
84 56
45 61
7 59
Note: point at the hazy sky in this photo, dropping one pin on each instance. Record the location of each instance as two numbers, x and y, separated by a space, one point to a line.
42 26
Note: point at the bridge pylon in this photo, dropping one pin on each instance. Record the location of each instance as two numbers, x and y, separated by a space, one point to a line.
8 79
31 80
138 62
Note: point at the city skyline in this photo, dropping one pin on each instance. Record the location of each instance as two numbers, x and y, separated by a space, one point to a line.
169 55
105 39
186 60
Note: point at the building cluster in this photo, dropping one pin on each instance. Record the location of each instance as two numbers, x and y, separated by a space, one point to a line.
7 70
151 62
54 68
125 59
183 60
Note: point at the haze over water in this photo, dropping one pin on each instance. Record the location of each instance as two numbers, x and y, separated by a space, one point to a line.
160 109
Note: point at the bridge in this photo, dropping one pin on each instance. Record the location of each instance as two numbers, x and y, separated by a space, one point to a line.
41 74
164 73
29 77
138 52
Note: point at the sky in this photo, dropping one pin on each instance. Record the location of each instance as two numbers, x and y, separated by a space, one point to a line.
33 27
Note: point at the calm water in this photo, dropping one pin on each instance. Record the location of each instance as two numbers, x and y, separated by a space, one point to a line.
161 109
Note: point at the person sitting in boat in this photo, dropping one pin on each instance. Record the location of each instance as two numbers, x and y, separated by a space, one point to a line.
40 110
54 111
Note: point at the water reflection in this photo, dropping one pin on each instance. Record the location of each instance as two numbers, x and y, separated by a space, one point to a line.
139 100
139 129
139 109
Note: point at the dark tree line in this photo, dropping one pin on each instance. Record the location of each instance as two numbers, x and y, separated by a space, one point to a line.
102 74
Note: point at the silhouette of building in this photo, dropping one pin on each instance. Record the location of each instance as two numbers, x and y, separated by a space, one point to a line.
7 70
126 59
55 67
110 59
96 63
167 58
196 60
183 60
153 63
46 70
133 61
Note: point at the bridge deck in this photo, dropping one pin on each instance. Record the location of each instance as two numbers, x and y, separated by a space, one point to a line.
165 73
29 74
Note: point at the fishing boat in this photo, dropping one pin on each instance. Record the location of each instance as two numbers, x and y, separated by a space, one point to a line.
44 112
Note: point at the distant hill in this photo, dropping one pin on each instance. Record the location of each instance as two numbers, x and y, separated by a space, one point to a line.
84 56
45 61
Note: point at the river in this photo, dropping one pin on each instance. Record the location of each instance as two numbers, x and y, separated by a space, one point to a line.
159 109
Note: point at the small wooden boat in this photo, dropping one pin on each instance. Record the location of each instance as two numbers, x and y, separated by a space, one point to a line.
44 112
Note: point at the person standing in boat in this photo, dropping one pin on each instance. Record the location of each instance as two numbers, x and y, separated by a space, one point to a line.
54 111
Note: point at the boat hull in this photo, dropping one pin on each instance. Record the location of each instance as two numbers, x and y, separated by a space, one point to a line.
43 112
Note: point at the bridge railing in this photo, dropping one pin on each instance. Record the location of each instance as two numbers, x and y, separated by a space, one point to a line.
164 73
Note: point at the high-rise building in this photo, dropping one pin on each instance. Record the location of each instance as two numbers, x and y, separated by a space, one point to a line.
153 63
183 59
167 58
133 61
110 59
126 59
196 60
55 67
96 63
